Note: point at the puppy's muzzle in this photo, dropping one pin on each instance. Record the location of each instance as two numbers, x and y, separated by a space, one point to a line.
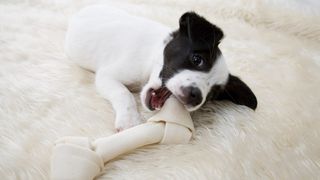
191 96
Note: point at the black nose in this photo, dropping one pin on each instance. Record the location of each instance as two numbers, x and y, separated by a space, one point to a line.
191 95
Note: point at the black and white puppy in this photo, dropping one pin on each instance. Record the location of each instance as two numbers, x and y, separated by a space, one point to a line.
127 51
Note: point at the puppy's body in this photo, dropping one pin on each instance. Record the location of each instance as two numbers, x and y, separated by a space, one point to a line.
128 51
122 49
101 37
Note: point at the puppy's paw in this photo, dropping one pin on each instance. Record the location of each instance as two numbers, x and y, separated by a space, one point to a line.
127 120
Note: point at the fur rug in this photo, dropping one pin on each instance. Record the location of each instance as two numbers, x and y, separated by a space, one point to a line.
274 46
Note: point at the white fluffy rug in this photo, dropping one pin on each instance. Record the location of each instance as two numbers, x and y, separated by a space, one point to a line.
274 46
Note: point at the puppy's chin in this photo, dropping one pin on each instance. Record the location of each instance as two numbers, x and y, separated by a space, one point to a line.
192 108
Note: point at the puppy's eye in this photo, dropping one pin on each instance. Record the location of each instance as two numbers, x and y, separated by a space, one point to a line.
197 60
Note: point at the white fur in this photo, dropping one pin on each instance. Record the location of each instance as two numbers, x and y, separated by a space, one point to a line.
218 75
125 50
272 46
122 49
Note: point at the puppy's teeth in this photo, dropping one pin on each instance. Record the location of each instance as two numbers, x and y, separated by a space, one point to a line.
153 93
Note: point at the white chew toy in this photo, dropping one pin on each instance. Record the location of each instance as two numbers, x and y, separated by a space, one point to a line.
78 158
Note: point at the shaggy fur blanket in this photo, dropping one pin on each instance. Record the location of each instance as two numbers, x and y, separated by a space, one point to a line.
274 46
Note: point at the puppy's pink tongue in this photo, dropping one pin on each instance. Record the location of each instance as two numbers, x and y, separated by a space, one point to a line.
159 97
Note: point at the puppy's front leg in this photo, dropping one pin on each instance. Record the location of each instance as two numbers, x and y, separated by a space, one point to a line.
121 99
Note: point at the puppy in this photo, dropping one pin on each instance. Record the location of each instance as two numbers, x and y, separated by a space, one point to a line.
127 52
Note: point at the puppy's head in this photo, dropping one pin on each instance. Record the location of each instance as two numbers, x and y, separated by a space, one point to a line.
194 69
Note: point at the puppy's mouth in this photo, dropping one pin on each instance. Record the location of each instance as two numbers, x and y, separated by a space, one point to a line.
157 97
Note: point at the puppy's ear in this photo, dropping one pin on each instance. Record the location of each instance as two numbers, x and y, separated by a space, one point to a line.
238 92
184 23
198 28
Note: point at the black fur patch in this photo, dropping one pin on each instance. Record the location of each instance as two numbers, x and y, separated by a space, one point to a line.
195 36
235 91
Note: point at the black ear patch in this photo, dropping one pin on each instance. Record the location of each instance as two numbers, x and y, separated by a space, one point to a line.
198 28
237 92
196 38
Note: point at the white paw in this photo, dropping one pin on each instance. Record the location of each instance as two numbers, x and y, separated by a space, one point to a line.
127 120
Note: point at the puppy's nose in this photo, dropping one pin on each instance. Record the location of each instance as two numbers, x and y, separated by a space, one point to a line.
191 95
